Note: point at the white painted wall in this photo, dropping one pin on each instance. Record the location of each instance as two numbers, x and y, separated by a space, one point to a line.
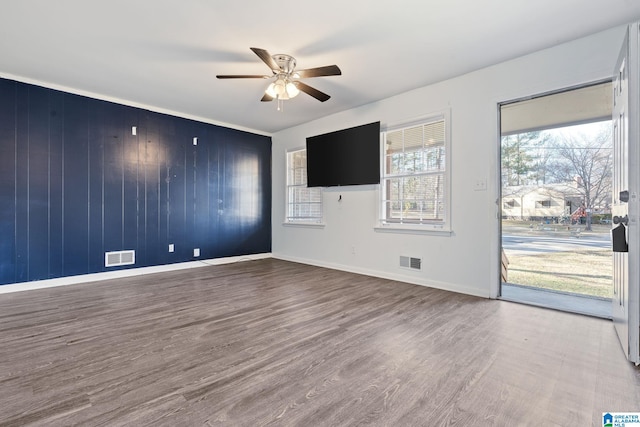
467 261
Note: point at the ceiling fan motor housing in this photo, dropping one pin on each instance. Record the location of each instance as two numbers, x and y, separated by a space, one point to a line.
287 63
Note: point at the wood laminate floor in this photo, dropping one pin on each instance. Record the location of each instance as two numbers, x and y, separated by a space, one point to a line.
270 342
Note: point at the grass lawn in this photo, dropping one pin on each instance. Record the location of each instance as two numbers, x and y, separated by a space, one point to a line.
585 272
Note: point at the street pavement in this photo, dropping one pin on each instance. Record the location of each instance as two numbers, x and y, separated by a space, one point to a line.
531 245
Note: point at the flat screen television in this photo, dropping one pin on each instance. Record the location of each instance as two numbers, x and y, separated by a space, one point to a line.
344 157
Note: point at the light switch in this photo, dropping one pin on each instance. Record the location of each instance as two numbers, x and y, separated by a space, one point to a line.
196 252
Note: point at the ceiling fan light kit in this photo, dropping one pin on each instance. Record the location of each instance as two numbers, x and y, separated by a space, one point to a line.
282 88
286 84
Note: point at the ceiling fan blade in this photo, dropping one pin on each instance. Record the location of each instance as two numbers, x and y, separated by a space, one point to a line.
320 96
266 98
266 58
241 76
329 70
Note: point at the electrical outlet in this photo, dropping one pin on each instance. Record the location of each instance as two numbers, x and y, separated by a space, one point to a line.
172 248
196 252
353 250
480 184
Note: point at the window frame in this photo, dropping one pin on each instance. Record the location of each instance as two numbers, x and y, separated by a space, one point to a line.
288 219
426 227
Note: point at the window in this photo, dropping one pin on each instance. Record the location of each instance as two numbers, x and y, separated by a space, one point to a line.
509 204
415 175
543 204
304 205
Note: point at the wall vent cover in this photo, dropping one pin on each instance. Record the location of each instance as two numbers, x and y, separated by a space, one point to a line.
411 263
116 258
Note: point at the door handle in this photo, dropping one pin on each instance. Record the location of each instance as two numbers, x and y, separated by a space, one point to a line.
621 219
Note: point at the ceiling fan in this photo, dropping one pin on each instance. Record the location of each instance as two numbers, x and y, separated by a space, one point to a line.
286 84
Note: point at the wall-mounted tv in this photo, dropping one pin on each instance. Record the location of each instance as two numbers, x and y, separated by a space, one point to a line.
344 157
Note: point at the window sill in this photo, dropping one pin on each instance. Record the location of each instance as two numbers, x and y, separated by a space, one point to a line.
304 224
414 229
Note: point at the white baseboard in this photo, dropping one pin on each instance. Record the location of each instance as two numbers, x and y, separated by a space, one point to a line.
446 286
85 278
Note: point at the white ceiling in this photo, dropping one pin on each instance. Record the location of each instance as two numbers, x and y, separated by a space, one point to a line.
164 54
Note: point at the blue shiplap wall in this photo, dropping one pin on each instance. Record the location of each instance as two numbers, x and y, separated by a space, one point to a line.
76 183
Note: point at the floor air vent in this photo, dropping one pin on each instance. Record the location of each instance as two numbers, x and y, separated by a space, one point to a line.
411 263
114 259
